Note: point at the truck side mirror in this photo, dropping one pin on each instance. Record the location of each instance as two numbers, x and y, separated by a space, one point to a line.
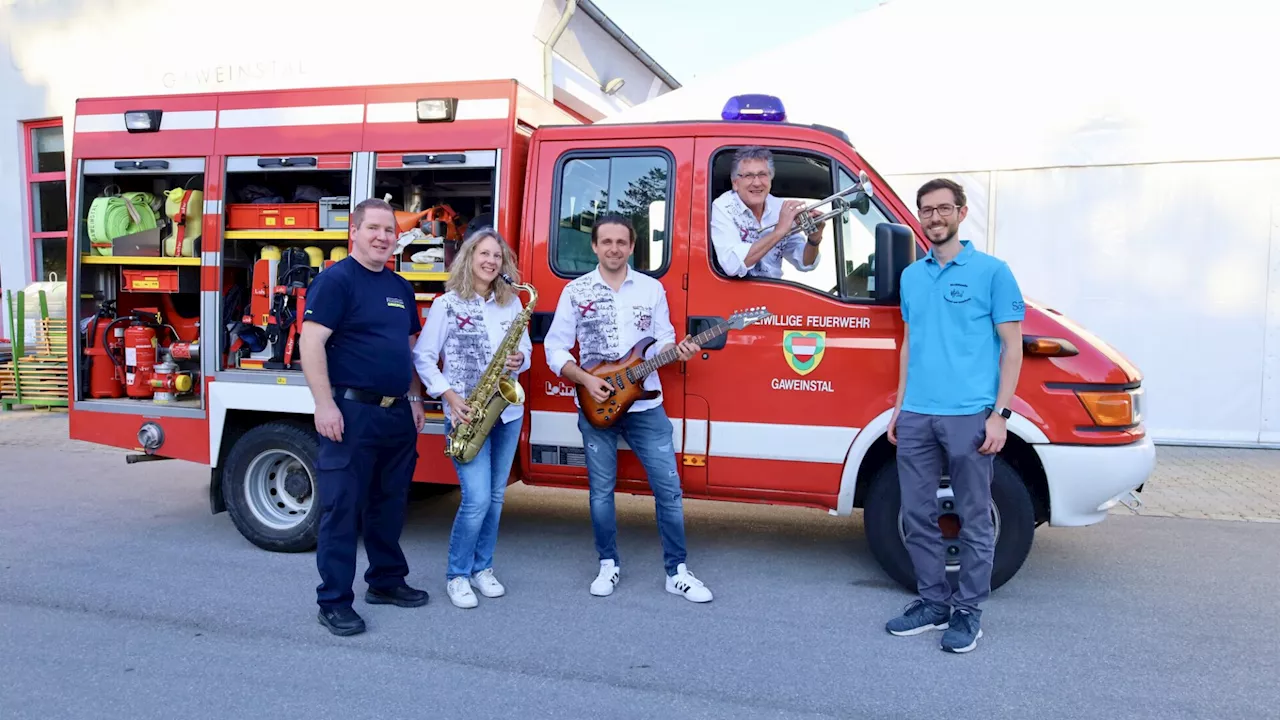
895 250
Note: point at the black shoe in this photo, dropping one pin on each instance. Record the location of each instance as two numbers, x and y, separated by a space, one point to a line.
401 596
341 621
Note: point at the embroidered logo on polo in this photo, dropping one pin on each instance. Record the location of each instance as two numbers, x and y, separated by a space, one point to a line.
395 302
956 293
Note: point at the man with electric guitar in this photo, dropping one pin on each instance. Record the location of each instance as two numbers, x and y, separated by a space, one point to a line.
621 324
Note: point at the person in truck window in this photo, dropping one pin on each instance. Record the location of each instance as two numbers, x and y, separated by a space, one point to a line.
357 338
607 312
738 216
961 356
464 327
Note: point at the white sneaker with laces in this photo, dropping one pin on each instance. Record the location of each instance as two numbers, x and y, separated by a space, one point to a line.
607 579
460 593
685 584
487 584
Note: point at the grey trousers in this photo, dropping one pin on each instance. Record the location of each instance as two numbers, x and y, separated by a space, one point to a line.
928 444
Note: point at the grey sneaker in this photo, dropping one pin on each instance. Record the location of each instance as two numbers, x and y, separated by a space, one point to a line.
920 616
963 634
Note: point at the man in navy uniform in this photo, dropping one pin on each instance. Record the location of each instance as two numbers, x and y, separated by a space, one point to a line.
358 332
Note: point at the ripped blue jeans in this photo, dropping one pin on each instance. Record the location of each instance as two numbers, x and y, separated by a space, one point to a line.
648 433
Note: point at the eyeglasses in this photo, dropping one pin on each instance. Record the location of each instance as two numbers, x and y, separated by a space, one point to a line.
942 210
754 176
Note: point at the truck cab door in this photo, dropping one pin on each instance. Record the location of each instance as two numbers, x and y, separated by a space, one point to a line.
573 183
784 398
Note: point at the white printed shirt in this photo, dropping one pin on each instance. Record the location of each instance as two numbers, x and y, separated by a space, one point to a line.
606 324
464 333
734 228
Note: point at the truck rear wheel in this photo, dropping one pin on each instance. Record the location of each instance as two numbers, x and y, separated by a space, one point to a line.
1012 512
269 486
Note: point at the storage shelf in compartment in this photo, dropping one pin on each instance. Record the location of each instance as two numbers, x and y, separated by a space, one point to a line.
425 276
131 260
285 235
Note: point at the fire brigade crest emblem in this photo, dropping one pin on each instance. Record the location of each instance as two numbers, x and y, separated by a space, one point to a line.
804 350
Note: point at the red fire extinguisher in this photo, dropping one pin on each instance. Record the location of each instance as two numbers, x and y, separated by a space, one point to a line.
104 341
139 358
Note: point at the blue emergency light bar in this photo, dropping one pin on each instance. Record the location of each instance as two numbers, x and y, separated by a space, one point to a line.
754 107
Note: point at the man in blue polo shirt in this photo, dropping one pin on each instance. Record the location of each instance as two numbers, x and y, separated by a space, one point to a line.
961 355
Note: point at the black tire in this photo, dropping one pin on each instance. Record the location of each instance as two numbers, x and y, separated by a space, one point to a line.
298 441
1014 533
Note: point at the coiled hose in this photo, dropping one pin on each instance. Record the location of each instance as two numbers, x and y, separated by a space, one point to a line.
114 216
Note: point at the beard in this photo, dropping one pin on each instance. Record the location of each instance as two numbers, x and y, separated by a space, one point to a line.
950 233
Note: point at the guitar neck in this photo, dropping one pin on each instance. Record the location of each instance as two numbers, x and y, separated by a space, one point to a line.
663 358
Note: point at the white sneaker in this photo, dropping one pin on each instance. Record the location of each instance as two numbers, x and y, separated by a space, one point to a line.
684 583
606 580
487 584
460 593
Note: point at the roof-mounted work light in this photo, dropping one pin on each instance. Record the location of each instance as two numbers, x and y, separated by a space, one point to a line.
138 121
437 109
754 107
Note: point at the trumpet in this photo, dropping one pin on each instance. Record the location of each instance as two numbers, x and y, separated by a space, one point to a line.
861 192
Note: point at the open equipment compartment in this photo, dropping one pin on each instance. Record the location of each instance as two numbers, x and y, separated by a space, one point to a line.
137 253
436 197
286 219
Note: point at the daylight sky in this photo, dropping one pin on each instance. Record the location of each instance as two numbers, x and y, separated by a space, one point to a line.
692 37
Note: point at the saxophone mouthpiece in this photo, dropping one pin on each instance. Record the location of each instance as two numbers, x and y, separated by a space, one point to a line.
506 278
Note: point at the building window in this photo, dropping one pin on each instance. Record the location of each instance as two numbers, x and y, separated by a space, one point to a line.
634 183
46 178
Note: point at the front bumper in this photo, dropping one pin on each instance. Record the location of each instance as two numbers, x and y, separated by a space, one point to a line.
1087 481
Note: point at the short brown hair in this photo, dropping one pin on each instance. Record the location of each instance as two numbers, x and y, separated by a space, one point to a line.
613 218
942 184
357 213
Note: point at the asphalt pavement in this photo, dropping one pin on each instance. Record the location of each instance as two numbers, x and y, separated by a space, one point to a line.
121 596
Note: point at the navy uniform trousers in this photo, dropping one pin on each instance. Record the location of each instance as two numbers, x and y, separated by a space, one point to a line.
364 480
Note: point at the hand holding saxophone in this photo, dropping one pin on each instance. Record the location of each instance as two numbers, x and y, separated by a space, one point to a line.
514 361
459 409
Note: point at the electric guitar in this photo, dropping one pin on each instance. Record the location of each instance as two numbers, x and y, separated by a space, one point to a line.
626 376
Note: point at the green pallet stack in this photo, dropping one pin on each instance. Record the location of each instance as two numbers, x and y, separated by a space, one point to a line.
38 379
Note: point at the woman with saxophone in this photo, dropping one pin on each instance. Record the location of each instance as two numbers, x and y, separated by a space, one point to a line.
465 327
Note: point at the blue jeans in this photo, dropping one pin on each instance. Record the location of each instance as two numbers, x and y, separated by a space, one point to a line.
649 435
484 485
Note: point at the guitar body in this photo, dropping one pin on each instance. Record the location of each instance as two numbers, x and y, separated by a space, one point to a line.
625 393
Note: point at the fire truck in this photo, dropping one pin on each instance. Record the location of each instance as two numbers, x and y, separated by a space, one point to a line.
199 221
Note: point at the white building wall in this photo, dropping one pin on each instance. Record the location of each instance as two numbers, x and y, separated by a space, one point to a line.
55 51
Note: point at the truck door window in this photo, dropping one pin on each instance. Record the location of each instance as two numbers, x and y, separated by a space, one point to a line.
845 263
858 241
797 176
633 183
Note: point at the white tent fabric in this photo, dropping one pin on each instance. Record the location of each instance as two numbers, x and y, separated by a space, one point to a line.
1122 156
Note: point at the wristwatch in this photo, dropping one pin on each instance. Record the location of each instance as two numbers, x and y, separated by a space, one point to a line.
1005 413
815 244
414 398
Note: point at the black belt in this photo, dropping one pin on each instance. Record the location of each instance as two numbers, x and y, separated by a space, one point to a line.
368 398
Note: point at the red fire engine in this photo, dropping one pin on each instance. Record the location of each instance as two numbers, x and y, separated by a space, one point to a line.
200 220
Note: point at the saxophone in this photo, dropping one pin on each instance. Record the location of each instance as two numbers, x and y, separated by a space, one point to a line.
496 390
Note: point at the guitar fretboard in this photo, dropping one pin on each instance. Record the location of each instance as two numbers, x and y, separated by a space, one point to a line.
639 372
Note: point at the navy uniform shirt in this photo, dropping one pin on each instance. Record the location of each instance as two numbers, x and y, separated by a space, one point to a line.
372 315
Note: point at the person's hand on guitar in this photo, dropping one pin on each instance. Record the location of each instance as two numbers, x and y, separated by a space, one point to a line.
459 410
597 387
686 349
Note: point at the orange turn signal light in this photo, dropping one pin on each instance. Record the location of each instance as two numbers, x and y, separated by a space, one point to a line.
1108 408
1048 346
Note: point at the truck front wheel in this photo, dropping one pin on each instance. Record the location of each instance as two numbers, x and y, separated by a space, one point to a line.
1012 513
269 486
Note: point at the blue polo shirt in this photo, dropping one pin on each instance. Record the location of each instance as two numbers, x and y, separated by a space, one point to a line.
951 312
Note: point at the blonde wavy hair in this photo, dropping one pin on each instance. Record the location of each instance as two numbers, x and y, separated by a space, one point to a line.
462 279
